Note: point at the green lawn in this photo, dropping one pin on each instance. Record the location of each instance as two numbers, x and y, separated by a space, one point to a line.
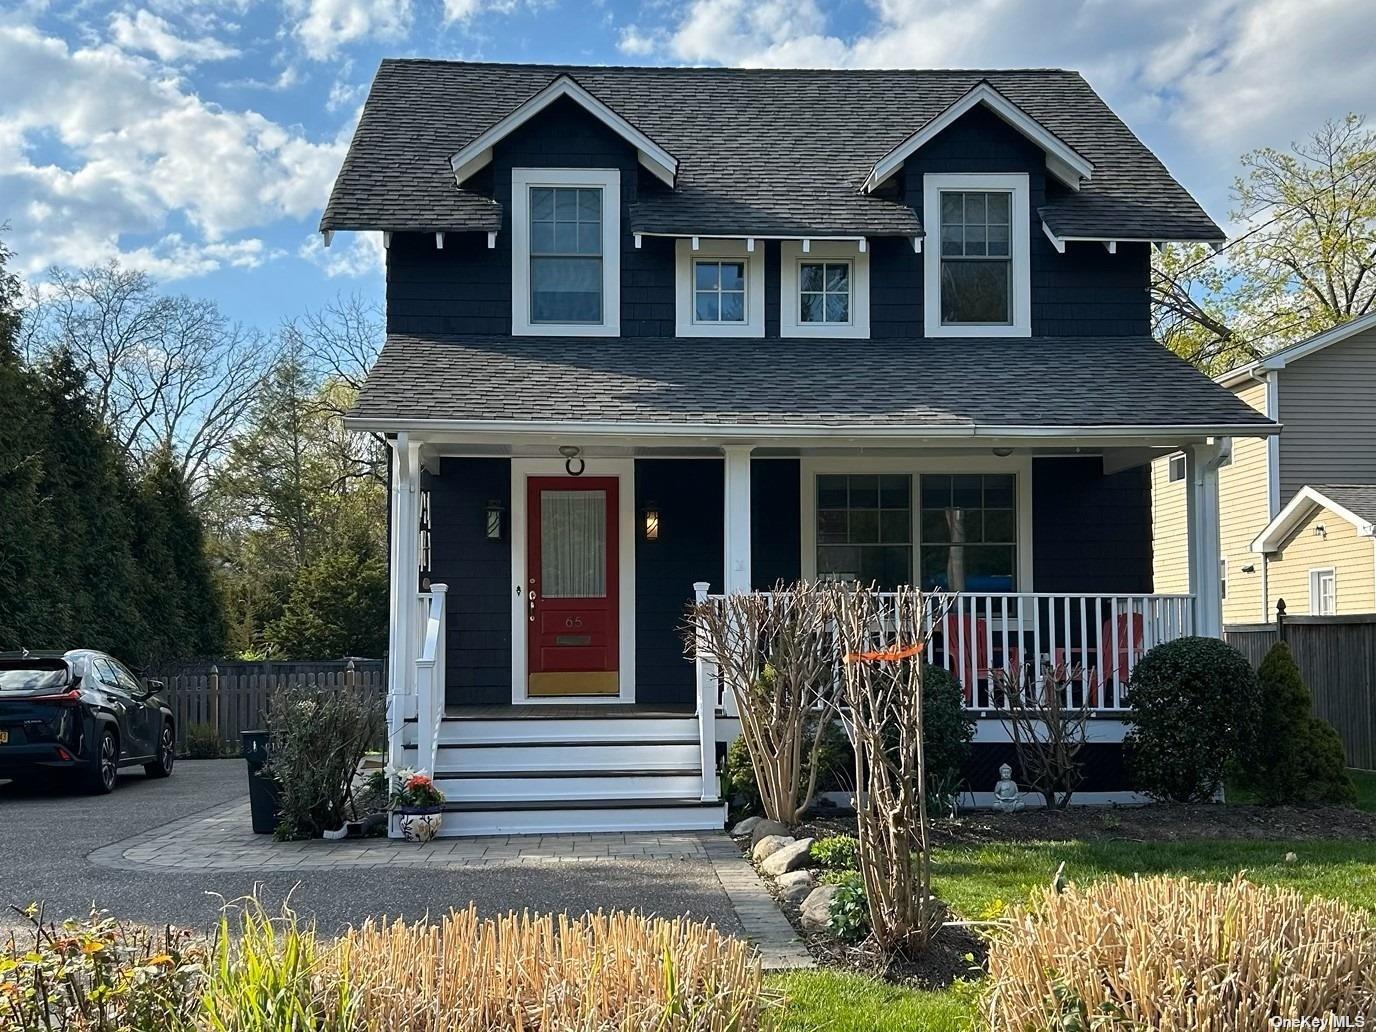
979 880
830 1001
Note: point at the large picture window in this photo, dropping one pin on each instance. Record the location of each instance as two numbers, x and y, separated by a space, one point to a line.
864 528
969 532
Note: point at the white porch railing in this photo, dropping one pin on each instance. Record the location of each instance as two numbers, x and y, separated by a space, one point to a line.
1100 638
429 679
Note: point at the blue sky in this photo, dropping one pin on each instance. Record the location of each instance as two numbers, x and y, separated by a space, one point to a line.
197 139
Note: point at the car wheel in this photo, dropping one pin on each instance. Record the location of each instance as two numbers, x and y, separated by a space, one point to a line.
167 755
104 772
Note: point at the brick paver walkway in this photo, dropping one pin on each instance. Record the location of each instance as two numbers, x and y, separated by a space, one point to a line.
220 840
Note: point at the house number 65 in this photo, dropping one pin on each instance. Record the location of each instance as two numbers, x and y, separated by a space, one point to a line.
573 622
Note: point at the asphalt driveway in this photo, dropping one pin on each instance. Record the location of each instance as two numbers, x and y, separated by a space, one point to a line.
46 838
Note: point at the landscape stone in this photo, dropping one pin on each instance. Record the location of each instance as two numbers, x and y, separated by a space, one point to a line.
816 910
768 845
745 827
767 827
795 885
788 858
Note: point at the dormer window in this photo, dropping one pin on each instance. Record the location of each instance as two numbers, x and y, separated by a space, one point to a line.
824 292
825 289
719 288
566 251
977 278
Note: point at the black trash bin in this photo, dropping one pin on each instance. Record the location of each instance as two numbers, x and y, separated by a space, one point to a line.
263 797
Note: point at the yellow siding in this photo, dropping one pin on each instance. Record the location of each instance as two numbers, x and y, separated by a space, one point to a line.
1353 558
1243 513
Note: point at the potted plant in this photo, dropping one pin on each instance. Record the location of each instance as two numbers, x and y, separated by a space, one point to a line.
417 804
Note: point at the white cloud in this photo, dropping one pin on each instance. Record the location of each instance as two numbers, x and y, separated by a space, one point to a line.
147 32
324 26
97 146
356 255
1200 80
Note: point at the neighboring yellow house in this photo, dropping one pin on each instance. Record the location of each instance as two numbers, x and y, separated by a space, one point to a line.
1296 511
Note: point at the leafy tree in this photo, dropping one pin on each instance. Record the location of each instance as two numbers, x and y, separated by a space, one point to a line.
337 606
1299 758
1304 261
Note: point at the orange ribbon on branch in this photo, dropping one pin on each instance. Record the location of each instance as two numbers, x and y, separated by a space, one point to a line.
892 655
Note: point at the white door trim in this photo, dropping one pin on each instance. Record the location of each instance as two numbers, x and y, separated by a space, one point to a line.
624 471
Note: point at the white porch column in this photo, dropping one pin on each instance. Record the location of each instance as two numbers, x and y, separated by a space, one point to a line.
1201 518
737 540
401 631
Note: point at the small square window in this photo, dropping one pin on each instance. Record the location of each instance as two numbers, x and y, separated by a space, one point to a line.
719 291
824 292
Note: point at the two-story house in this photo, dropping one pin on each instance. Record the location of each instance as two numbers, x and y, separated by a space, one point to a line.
1297 511
658 333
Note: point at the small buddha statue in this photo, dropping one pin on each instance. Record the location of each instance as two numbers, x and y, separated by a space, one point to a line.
1007 796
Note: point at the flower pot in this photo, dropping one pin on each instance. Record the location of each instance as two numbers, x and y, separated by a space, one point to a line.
419 823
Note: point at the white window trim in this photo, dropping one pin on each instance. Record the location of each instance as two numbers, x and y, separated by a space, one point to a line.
609 179
718 250
1171 463
1018 465
1019 247
792 255
1316 591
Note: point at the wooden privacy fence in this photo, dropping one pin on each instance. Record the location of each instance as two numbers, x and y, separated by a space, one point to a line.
1337 659
232 696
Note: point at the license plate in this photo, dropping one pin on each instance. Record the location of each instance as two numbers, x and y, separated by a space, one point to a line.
4 738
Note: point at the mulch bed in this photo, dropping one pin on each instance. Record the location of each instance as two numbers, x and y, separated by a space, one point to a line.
1157 823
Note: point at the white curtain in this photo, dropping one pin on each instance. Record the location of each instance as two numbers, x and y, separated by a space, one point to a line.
573 544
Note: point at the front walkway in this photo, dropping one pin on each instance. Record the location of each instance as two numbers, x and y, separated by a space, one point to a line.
219 840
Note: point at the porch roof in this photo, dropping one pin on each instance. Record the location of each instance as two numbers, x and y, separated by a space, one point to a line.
1031 386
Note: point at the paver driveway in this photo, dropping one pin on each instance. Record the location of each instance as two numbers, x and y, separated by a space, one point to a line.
172 851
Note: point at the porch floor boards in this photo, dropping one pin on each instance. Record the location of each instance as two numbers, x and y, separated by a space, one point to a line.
568 711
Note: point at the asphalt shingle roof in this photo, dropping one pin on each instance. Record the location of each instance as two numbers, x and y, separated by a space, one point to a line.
1358 499
921 383
768 152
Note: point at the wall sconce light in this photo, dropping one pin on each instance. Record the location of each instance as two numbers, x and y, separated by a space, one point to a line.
1249 568
1320 530
494 512
651 514
1003 453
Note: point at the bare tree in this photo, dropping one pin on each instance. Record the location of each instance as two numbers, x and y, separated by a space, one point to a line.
884 639
775 653
166 372
1047 726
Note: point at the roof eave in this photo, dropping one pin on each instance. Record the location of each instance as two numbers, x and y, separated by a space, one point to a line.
1306 502
1062 160
477 154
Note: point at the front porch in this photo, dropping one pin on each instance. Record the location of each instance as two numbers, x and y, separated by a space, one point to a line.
542 660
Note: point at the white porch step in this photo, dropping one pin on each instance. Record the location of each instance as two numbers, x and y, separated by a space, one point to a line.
563 816
570 785
467 730
565 756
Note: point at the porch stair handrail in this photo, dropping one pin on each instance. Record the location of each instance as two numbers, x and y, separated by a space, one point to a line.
430 676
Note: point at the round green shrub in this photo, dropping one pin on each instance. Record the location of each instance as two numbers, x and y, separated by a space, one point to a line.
202 743
1299 758
1195 705
947 729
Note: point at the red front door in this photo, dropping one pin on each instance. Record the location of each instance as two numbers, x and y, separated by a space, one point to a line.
571 586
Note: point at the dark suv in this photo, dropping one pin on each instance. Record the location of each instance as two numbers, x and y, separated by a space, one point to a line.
80 713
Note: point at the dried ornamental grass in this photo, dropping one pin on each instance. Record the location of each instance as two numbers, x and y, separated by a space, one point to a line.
555 974
1181 956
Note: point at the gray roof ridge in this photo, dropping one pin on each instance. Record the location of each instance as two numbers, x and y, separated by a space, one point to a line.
668 69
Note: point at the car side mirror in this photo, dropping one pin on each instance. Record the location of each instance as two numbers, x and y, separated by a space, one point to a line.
154 686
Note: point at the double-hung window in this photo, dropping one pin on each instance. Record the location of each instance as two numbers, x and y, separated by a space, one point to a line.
566 251
976 278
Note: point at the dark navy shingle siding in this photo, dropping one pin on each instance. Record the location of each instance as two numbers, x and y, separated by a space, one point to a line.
775 530
478 573
1091 533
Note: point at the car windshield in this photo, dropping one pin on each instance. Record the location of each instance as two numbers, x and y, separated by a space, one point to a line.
32 675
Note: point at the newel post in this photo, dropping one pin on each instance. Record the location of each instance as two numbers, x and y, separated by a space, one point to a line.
1280 619
706 705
